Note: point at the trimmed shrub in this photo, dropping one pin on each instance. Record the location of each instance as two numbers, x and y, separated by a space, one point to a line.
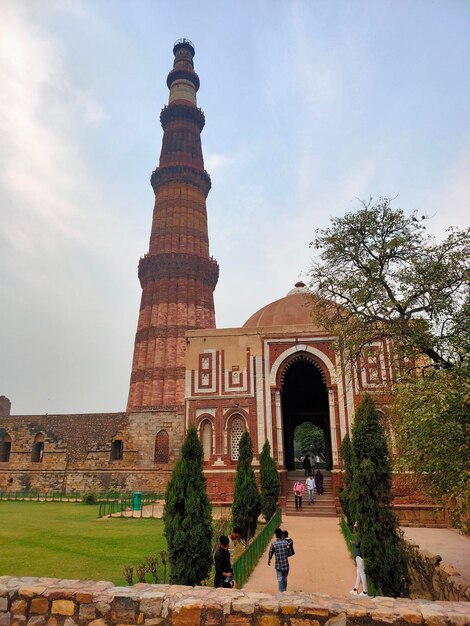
345 492
270 483
246 499
382 546
89 498
188 517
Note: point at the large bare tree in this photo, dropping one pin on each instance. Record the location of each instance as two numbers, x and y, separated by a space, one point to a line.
378 273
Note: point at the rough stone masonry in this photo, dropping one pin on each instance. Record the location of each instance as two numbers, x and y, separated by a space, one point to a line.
31 601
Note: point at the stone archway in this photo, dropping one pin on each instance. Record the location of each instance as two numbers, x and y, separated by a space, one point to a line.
304 398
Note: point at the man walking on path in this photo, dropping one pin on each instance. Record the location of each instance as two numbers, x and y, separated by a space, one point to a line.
322 563
281 549
310 487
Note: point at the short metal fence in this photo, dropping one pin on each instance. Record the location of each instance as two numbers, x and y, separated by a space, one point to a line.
48 496
110 501
125 501
247 562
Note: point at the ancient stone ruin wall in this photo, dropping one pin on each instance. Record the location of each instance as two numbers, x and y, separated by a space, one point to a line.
78 455
435 579
53 602
5 406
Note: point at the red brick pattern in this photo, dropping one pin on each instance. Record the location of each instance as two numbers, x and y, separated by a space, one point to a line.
177 275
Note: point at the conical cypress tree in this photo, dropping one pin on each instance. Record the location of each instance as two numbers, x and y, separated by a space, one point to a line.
270 482
371 495
188 517
345 492
246 499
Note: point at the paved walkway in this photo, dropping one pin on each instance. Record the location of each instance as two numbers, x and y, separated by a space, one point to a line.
321 564
449 544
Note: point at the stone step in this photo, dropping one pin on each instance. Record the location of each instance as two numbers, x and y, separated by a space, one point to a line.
328 504
312 512
319 504
323 506
322 500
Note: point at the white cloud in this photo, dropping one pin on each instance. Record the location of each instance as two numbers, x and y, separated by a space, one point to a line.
43 176
452 199
58 235
216 163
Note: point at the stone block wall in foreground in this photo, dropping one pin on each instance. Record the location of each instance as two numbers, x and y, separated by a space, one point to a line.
31 601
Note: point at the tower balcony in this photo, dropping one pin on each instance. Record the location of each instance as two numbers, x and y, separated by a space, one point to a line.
180 111
181 174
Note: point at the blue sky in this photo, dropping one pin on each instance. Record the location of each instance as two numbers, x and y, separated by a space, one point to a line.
309 105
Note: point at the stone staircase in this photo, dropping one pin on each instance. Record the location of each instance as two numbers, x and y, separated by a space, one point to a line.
323 506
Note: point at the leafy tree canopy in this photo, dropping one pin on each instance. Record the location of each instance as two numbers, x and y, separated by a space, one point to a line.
379 274
432 426
309 439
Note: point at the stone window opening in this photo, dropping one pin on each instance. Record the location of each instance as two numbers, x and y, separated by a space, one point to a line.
117 450
5 449
37 454
236 431
205 434
162 447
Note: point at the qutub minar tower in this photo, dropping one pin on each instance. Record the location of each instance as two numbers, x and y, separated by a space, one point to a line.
177 274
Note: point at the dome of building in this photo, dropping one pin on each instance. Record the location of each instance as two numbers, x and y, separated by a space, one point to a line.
293 310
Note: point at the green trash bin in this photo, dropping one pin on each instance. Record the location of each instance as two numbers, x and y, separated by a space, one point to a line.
136 501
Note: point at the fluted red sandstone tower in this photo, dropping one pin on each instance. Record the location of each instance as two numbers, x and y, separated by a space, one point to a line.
177 275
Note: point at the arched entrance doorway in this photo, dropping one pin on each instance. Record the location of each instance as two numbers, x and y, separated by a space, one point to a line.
304 398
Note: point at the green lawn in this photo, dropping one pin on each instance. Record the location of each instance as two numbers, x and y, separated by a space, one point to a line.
67 540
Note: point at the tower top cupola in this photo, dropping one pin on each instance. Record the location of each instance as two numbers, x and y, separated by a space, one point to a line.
182 81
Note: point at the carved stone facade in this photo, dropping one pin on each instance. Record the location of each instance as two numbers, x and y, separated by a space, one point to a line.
271 375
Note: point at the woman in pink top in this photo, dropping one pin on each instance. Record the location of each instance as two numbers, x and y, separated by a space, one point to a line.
298 492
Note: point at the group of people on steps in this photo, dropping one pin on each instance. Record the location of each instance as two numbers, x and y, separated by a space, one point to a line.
312 484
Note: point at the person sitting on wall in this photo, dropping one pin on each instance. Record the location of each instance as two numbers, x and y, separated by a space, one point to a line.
223 568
